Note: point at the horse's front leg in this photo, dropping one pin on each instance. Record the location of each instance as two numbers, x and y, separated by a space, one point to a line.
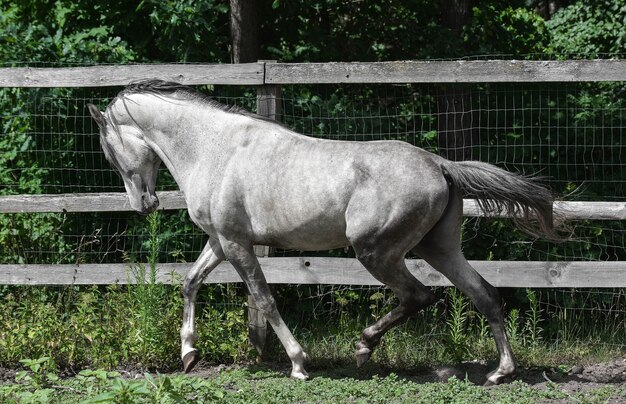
242 257
209 258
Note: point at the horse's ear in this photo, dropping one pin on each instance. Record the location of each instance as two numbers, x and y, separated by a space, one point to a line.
97 115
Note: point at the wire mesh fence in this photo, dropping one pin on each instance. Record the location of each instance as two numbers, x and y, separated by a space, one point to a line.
572 134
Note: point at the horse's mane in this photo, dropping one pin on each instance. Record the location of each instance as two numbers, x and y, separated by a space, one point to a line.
161 88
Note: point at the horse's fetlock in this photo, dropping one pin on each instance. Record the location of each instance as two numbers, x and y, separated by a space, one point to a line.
370 337
297 355
187 334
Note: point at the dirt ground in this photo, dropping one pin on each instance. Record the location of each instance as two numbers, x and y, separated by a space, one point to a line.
573 380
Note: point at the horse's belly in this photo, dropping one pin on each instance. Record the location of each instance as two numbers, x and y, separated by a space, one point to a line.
309 233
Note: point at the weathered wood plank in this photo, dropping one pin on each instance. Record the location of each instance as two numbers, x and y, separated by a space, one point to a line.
334 271
171 200
477 71
95 202
121 75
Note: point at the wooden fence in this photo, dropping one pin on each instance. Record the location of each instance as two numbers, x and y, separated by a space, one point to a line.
267 77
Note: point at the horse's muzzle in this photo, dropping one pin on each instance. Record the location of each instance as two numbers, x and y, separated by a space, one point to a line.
149 203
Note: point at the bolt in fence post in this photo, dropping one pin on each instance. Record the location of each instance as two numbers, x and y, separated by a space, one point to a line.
267 104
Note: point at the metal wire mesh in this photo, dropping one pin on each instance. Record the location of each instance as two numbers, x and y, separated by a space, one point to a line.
569 133
572 134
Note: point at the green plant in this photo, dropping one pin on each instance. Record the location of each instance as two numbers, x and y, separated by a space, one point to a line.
457 336
123 392
153 305
532 329
184 29
511 325
41 373
590 28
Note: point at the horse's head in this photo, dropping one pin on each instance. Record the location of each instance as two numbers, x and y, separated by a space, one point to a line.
125 148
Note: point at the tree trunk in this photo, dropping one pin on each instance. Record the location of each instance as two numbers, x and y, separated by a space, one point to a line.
455 14
454 123
547 8
456 136
244 30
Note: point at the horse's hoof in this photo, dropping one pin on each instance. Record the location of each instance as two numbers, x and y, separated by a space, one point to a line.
190 360
362 356
494 381
301 375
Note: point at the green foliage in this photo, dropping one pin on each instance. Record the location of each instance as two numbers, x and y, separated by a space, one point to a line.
41 372
21 174
34 32
589 28
328 30
498 29
227 336
67 32
188 30
107 326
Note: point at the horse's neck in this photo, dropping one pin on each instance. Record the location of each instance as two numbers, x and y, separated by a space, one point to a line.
187 138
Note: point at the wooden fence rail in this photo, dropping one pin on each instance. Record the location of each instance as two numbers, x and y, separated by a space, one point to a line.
120 75
173 200
263 73
331 271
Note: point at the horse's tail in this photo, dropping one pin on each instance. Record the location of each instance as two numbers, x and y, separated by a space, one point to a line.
499 191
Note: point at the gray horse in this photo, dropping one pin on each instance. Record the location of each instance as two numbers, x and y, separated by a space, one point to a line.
248 180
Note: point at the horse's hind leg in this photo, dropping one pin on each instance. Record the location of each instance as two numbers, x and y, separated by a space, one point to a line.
441 248
484 296
245 262
209 258
413 296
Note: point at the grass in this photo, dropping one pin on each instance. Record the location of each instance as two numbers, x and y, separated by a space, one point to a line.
262 385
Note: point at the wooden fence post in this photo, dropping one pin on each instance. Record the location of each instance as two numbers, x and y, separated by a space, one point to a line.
257 323
267 104
268 99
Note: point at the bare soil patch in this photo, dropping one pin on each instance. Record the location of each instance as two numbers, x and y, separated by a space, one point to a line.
578 378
